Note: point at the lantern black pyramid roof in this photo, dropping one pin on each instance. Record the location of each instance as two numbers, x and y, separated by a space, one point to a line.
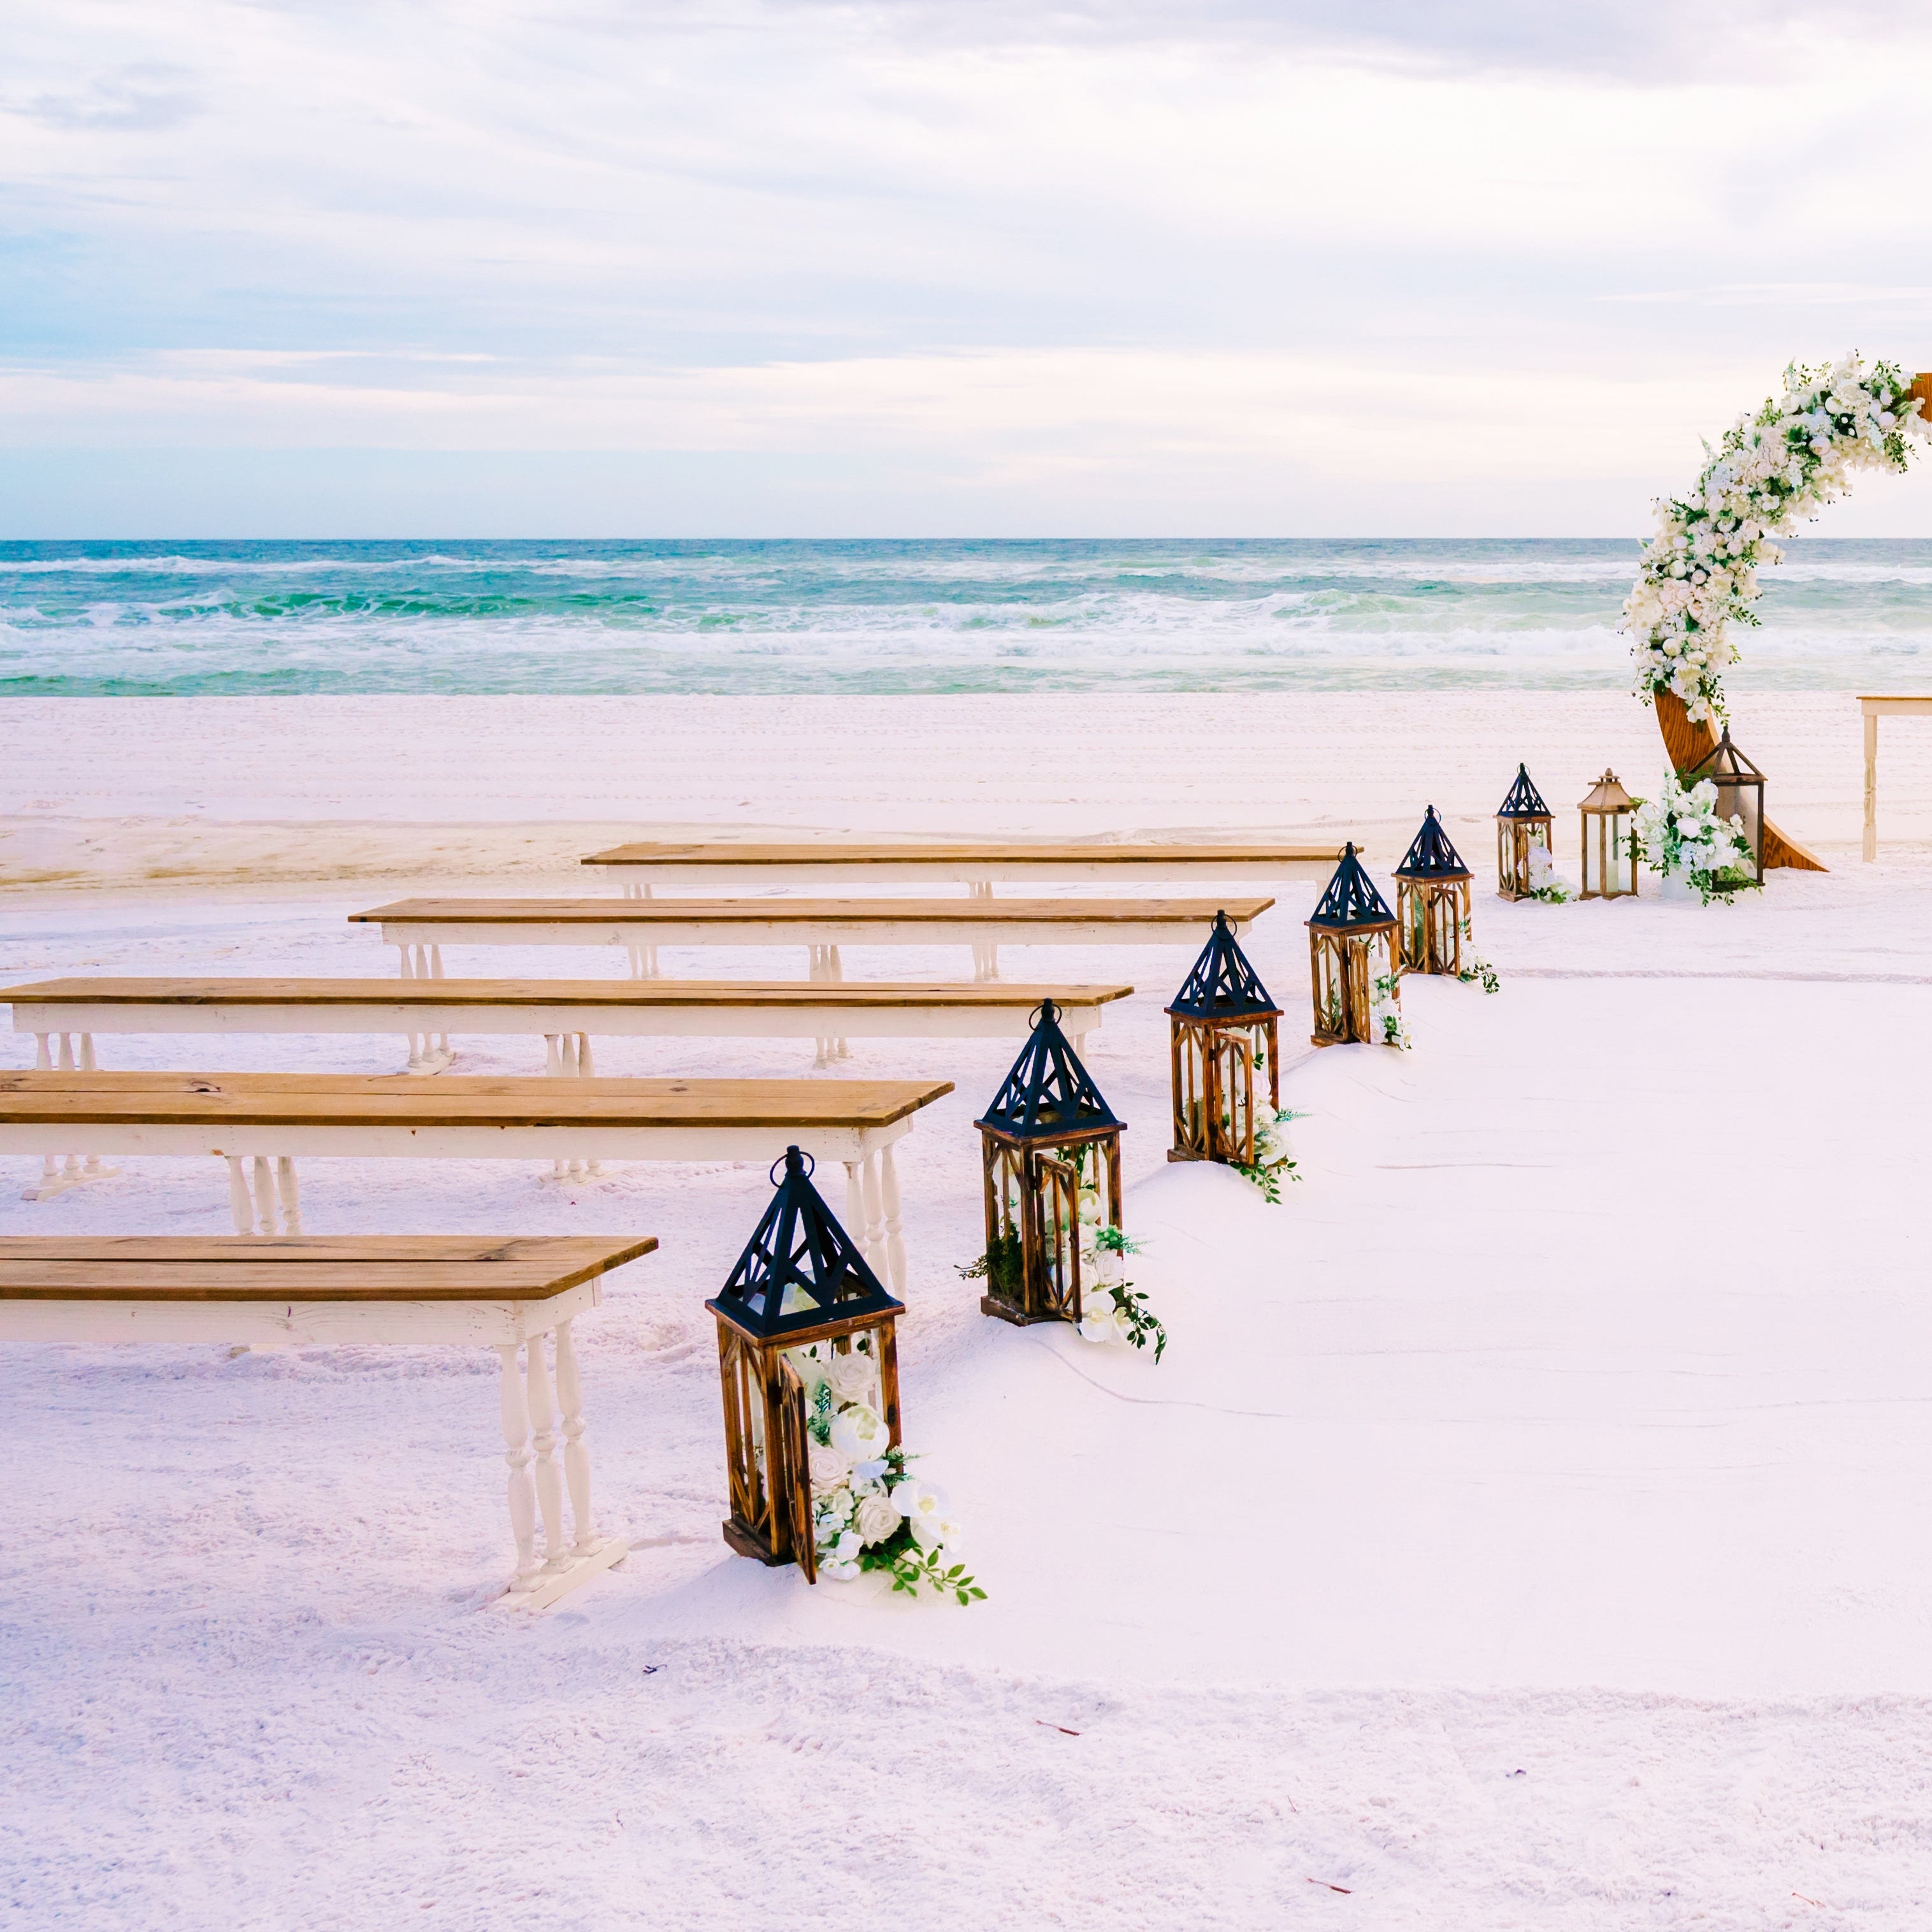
801 1268
1524 801
1724 760
1223 984
1431 856
1352 899
1048 1094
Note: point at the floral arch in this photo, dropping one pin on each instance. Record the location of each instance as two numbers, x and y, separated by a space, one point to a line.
1699 571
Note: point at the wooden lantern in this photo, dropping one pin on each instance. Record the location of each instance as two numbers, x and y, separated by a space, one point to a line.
1046 1122
1350 945
801 1279
1522 820
1610 853
1223 1035
1740 793
1432 901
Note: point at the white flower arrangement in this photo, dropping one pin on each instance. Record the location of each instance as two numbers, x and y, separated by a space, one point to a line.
1545 883
1110 1308
1478 967
1792 458
1274 1159
868 1511
1679 831
1385 1021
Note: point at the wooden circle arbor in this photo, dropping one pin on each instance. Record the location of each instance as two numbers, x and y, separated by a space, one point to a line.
1223 1032
1046 1120
801 1279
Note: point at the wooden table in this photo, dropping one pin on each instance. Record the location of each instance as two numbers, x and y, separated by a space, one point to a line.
420 928
274 1119
1874 709
409 1290
980 865
65 1015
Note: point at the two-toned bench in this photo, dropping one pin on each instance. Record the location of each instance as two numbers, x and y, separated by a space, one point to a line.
64 1015
409 1290
270 1120
419 929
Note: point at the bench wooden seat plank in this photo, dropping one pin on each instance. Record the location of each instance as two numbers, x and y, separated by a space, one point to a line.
273 1119
361 1291
616 995
983 863
850 917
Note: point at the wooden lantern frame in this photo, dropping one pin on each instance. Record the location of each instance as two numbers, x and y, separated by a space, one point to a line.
1351 927
1432 901
1740 793
1522 820
1606 840
1033 1143
799 1255
1223 1028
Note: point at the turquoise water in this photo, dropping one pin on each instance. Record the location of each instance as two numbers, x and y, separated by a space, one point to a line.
238 618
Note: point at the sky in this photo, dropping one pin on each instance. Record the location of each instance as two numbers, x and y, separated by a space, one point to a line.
770 268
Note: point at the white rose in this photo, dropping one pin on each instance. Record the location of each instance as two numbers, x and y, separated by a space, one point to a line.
1090 1204
853 1378
829 1465
859 1434
878 1519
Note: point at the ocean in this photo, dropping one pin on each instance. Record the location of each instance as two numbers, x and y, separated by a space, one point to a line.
180 618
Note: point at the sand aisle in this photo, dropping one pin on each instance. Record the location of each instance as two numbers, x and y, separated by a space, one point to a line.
1526 1528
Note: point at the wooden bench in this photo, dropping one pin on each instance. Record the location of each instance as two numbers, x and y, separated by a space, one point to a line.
1872 709
980 865
410 1291
420 928
271 1119
64 1015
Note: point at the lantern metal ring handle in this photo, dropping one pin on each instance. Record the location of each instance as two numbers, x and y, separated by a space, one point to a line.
1045 1007
811 1165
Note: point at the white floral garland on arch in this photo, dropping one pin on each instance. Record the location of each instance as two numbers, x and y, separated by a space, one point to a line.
1790 460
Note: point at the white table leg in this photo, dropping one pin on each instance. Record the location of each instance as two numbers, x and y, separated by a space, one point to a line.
543 1436
889 1194
587 1069
855 1203
1869 850
516 1453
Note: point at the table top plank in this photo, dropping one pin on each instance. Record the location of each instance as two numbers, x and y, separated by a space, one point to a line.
354 1269
958 912
885 854
855 994
1873 705
348 1100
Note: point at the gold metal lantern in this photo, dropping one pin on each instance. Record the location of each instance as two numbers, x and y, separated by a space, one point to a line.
1432 901
1223 1040
1522 820
1047 1122
1351 946
1740 793
1610 852
801 1279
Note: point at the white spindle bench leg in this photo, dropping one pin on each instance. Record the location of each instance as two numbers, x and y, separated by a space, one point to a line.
445 1051
517 1453
291 1198
889 1194
874 1242
576 1456
587 1070
65 1053
239 1204
264 1196
543 1436
855 1202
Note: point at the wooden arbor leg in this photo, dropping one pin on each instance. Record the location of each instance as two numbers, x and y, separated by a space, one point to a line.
1686 743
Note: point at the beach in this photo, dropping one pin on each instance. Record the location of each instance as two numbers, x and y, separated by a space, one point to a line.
1520 1530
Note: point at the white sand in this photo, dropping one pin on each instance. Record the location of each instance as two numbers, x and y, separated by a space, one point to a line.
1526 1528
